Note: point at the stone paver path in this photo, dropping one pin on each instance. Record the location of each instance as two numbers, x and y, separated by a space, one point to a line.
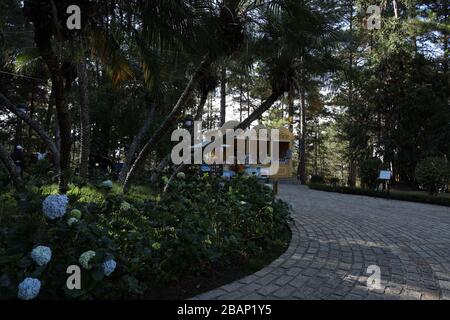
336 237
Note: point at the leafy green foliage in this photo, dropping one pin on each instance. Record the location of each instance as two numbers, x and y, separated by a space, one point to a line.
315 178
369 170
204 224
4 178
334 181
404 196
433 173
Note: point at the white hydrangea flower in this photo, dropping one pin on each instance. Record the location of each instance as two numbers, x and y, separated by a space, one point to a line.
156 246
107 184
75 213
55 206
125 206
29 289
71 221
41 255
109 267
181 175
85 258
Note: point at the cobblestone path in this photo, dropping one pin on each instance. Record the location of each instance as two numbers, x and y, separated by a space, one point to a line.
336 237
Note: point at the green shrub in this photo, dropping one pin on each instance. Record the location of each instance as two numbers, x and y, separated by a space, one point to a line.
369 170
315 178
8 207
31 229
433 174
4 178
203 224
334 181
404 196
40 168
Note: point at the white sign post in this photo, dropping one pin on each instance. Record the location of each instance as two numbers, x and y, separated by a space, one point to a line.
385 176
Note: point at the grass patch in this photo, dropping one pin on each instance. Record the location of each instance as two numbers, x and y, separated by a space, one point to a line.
414 196
92 194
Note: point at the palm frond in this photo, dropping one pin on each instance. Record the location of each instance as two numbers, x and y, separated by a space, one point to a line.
104 47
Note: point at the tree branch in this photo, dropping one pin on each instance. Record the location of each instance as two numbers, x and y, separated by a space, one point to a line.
168 121
34 125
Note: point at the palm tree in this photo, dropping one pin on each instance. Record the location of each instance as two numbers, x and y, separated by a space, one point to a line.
223 95
221 21
45 30
50 38
304 31
84 113
227 20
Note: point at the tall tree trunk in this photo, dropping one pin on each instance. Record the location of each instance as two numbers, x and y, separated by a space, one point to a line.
223 95
394 5
316 147
168 121
258 112
301 171
291 93
136 143
165 161
47 123
18 133
84 117
49 115
352 173
97 72
63 117
32 111
62 112
11 168
248 102
241 92
445 36
57 135
201 105
301 86
159 169
352 169
43 42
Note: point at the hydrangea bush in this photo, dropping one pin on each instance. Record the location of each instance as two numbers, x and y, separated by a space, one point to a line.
109 267
75 213
85 259
55 206
181 175
433 174
41 255
107 184
204 223
25 265
29 289
71 221
125 206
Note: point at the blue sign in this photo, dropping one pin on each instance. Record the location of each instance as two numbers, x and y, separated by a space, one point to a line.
205 168
253 171
228 174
